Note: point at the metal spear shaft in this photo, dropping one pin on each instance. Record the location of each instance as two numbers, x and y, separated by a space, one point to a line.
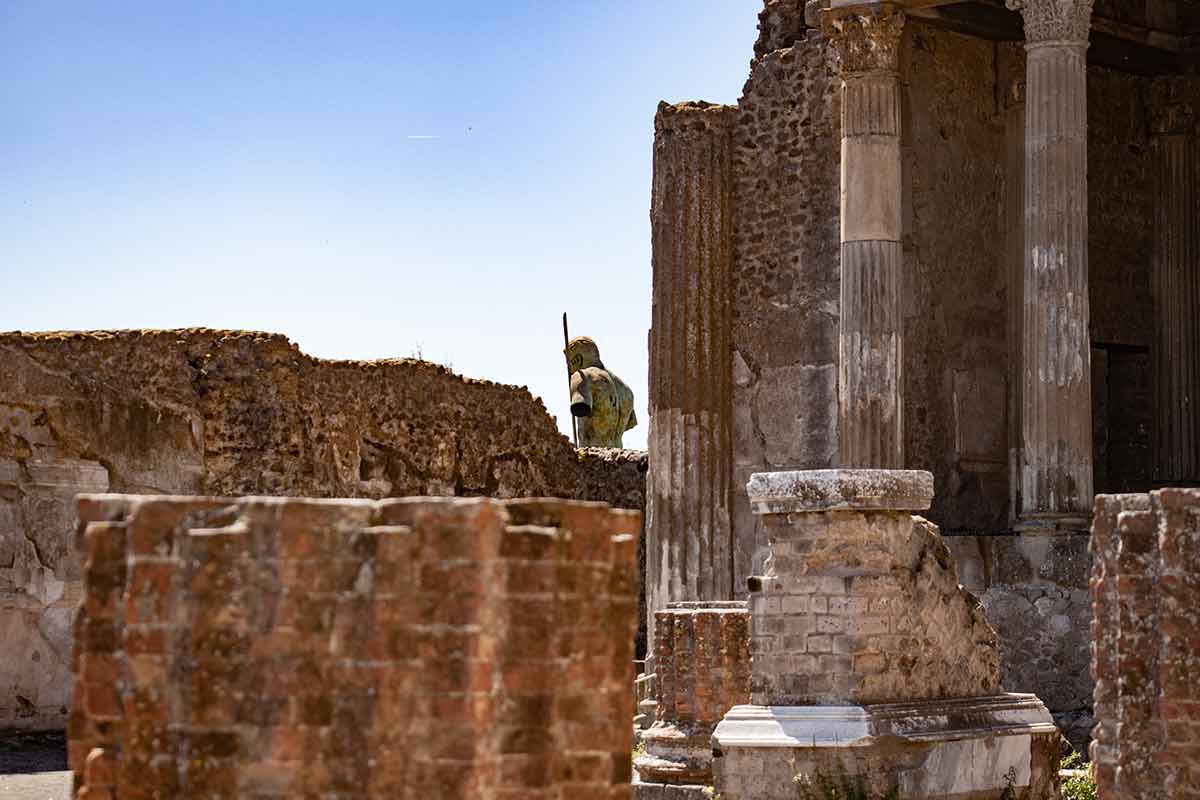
574 423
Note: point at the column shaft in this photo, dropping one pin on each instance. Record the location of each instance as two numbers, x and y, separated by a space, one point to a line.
870 378
1014 267
689 549
1176 300
1056 473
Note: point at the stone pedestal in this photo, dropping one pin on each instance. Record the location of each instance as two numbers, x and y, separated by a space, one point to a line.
1056 423
702 655
869 659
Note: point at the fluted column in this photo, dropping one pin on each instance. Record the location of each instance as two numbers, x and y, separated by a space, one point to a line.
1056 424
1014 268
870 377
689 550
1176 292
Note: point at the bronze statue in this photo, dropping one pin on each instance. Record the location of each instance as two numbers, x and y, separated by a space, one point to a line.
601 400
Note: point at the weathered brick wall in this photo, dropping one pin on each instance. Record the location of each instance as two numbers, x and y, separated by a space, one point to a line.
1146 594
865 607
428 648
231 413
702 668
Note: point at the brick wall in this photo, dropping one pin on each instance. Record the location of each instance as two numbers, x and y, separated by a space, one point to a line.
399 648
1146 599
865 608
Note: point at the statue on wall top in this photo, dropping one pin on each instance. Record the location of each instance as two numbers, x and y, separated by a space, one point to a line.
601 400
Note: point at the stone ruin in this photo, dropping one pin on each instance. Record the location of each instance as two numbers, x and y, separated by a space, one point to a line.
211 412
423 648
702 670
850 270
1146 648
869 658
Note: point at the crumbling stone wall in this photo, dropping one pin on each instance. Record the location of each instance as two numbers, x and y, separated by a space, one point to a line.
785 266
277 647
866 607
232 413
1146 592
1034 591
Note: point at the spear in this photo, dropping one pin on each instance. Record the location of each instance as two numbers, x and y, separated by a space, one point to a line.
566 344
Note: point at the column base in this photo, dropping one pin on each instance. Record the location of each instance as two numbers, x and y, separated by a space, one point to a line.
676 754
1052 524
975 748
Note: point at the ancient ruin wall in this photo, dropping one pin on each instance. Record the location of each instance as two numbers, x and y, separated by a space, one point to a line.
785 266
688 535
955 304
432 648
1146 595
1034 590
228 412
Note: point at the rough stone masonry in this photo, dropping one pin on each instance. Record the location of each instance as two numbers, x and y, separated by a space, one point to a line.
201 411
410 648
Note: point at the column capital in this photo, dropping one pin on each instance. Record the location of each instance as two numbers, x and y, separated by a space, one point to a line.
1054 21
867 37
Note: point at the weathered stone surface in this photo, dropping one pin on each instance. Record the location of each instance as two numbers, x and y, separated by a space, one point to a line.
840 490
432 648
1034 593
227 412
864 606
785 295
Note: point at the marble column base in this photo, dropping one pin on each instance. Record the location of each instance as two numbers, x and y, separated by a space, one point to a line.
963 749
1052 524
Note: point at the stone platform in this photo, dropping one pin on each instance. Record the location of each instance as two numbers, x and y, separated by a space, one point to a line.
970 748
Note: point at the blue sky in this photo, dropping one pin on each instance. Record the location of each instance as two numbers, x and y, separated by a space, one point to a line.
371 179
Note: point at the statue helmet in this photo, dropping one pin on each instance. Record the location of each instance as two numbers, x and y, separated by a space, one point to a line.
582 352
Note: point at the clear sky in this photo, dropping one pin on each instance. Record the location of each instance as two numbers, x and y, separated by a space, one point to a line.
372 179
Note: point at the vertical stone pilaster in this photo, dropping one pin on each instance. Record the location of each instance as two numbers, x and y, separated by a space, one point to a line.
1176 292
689 549
1056 469
1014 269
870 378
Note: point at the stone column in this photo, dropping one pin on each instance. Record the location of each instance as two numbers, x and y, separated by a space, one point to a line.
689 549
1056 424
868 658
870 379
1014 269
702 662
1176 293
